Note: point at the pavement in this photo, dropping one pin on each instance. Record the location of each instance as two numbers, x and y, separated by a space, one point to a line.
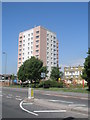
46 104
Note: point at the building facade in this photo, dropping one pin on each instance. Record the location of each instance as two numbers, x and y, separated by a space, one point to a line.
73 73
41 43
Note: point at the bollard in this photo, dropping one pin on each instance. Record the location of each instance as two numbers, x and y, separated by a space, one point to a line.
30 93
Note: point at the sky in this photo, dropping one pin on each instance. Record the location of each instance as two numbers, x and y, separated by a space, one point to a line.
68 20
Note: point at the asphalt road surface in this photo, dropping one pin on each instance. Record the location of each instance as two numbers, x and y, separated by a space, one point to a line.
14 107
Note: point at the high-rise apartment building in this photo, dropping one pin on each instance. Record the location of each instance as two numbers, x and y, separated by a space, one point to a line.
41 43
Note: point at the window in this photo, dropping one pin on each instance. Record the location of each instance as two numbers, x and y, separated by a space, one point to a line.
23 53
19 58
31 38
28 52
23 40
31 47
47 48
19 62
20 45
23 49
54 37
37 41
47 62
37 51
28 56
51 36
31 52
47 39
28 48
23 44
20 37
24 36
37 31
19 54
31 42
20 42
28 38
37 46
28 34
31 33
19 49
28 43
47 34
37 56
37 36
53 45
23 57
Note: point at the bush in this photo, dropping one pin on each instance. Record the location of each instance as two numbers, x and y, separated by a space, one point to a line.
51 83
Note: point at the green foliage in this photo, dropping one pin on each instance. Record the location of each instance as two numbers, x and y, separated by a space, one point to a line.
13 77
86 70
55 73
50 83
31 70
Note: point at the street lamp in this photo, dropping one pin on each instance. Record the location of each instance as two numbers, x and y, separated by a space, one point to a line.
5 61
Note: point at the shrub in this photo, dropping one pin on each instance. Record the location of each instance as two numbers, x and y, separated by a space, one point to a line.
51 83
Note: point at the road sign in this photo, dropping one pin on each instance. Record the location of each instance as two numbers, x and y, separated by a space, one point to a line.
43 75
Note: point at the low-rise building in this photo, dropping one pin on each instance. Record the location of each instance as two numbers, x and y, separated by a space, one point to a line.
73 73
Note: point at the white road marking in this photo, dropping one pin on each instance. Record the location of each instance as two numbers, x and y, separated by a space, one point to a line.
18 96
80 105
27 103
18 99
60 101
43 111
47 94
10 94
1 95
82 114
27 110
8 97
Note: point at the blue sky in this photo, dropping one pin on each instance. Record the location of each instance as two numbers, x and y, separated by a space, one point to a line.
68 20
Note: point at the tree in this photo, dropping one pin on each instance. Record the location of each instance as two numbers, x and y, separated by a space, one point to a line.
86 70
31 70
13 77
55 73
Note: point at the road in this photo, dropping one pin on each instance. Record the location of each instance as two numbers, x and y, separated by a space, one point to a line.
12 104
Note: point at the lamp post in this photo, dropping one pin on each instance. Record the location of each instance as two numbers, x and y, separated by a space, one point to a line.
5 61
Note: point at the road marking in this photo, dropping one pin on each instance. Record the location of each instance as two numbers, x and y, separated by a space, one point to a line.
18 96
27 110
60 101
10 94
82 114
43 111
1 95
18 99
81 105
8 97
27 103
47 94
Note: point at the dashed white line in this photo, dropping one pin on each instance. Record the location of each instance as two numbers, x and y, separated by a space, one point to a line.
60 101
80 105
27 110
27 103
10 94
8 97
18 96
18 99
47 94
45 111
